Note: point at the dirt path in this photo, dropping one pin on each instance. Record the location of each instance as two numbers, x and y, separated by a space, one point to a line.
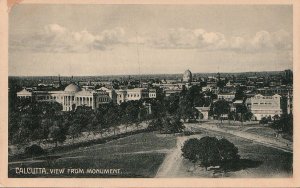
173 161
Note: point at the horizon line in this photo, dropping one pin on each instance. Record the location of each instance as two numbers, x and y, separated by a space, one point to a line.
136 74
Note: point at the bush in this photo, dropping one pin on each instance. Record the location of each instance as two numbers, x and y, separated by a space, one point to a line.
34 150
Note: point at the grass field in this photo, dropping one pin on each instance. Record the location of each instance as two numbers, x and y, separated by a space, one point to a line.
142 154
138 155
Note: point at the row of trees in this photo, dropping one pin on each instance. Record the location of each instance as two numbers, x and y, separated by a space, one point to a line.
31 120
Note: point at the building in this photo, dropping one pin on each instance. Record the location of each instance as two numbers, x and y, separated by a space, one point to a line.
70 98
187 76
152 93
24 94
204 111
123 95
265 106
226 96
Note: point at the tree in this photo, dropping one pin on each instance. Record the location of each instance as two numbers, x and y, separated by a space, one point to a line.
190 150
220 108
57 135
228 150
241 109
209 151
248 116
156 125
284 123
75 129
186 109
239 94
112 118
209 154
172 125
263 120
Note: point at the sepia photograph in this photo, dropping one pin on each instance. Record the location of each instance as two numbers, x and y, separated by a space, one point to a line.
150 91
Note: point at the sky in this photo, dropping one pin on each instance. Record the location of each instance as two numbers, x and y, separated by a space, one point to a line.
95 40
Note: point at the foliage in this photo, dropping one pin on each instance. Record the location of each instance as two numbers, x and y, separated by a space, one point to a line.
191 150
209 151
284 123
248 116
57 134
263 120
220 108
242 110
34 150
239 94
172 125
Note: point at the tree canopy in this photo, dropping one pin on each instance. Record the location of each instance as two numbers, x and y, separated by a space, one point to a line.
209 151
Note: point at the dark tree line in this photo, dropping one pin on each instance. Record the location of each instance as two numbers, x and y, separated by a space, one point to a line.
43 121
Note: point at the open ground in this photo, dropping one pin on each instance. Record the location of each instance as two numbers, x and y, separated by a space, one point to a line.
159 155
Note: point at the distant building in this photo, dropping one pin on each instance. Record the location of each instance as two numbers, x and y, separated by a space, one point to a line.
24 94
265 106
72 97
187 76
204 111
152 93
226 96
123 95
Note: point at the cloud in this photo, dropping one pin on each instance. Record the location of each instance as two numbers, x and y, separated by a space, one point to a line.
201 39
57 38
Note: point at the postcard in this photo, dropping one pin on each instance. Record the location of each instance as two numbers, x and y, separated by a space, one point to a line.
149 93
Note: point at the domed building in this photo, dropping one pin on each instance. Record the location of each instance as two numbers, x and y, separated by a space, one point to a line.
71 97
72 88
187 76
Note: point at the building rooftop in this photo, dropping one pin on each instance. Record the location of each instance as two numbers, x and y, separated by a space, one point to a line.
72 88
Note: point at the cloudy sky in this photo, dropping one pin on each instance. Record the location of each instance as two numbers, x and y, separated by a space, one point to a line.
132 39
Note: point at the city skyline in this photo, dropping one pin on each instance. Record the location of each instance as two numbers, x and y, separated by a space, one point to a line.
148 39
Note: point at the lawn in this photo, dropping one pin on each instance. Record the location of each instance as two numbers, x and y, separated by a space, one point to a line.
138 155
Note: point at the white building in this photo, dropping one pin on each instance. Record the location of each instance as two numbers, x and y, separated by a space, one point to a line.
70 98
134 94
204 111
226 96
152 93
265 106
